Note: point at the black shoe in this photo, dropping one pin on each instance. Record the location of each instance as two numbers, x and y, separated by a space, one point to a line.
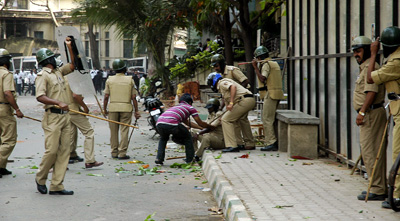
1 176
197 159
126 157
41 188
94 164
386 204
71 161
62 192
77 158
159 162
4 171
231 149
114 157
241 147
272 147
372 197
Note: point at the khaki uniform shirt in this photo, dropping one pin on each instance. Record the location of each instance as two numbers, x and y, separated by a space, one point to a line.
362 87
272 72
217 123
234 73
52 84
121 88
224 88
389 74
72 104
7 83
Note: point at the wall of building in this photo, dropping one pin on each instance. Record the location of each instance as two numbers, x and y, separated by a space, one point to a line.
321 71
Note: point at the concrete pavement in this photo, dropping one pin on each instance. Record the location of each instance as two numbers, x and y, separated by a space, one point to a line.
272 186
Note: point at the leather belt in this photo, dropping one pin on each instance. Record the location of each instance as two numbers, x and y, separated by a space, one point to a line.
263 88
373 107
56 110
248 95
4 103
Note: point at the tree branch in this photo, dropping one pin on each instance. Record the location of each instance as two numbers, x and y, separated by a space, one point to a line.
48 7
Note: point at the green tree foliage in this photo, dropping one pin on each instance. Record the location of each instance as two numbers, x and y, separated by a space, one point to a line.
152 22
199 62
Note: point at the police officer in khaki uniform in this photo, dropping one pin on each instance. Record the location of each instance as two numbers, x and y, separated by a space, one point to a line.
120 90
240 101
389 75
213 139
218 62
81 122
368 101
8 103
51 90
270 89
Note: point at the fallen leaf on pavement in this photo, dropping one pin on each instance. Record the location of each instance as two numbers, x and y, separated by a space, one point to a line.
308 163
244 156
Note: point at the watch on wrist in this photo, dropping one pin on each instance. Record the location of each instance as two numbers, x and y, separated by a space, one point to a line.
361 113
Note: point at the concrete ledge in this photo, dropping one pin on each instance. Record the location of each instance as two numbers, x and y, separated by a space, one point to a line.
296 117
297 133
222 190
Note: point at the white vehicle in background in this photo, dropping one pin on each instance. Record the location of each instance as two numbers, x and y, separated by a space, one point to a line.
139 63
24 63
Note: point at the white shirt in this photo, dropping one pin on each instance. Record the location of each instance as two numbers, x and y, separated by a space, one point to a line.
19 77
32 78
93 73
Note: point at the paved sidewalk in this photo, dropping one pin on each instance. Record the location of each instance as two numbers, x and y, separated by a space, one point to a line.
271 186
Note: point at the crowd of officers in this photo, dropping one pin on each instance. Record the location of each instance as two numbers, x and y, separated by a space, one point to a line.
64 115
234 126
228 130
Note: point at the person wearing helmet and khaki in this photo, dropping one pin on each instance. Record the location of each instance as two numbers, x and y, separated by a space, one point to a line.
244 141
240 101
270 88
210 138
81 122
51 91
8 103
121 92
368 101
389 75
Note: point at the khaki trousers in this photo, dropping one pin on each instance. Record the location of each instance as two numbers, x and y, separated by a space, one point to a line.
268 119
82 123
240 110
57 132
209 140
119 149
396 151
8 138
371 133
243 138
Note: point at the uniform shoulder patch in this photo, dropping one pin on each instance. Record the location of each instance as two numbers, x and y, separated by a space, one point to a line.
40 73
231 68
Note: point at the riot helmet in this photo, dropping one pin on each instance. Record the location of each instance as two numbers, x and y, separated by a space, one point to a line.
217 58
390 39
45 56
213 79
5 58
213 102
262 52
118 65
365 43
